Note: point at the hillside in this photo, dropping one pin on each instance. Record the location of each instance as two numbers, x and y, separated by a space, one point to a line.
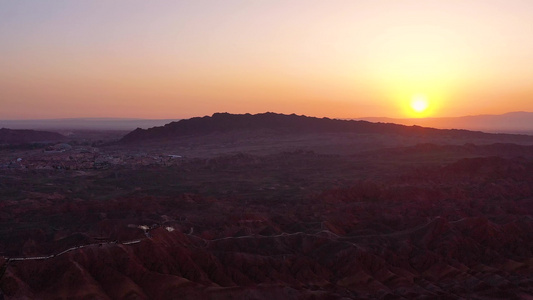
15 137
273 123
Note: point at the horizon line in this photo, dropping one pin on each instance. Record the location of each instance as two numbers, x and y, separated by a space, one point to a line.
157 119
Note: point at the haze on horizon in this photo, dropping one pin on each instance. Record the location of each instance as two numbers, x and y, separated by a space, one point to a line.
342 59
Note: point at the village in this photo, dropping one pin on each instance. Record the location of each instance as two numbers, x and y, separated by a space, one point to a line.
64 156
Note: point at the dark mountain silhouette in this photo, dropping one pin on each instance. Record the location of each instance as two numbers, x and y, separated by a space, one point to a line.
291 124
15 137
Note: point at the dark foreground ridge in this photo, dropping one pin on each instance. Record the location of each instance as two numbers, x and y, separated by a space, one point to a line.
15 137
459 231
289 124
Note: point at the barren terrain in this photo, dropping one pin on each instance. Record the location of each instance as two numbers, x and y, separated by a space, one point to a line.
259 213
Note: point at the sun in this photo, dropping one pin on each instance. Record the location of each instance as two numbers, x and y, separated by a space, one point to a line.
419 103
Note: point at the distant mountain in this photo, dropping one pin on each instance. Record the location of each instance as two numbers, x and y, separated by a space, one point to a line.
84 124
285 124
513 122
15 137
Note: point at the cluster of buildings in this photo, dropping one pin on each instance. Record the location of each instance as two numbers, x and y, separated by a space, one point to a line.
66 157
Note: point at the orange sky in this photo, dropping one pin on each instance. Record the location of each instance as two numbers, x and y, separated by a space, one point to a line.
345 59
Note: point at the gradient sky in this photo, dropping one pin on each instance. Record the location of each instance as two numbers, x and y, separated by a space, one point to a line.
344 59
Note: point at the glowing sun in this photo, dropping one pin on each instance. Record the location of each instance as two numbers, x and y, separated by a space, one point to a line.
419 103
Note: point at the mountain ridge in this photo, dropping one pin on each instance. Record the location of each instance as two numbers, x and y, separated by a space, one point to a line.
286 124
518 122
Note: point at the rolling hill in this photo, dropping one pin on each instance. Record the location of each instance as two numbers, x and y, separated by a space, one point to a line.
281 124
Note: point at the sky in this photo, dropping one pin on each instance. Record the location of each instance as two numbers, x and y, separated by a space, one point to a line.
340 59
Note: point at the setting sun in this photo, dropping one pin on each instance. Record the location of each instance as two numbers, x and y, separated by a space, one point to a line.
338 59
419 103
